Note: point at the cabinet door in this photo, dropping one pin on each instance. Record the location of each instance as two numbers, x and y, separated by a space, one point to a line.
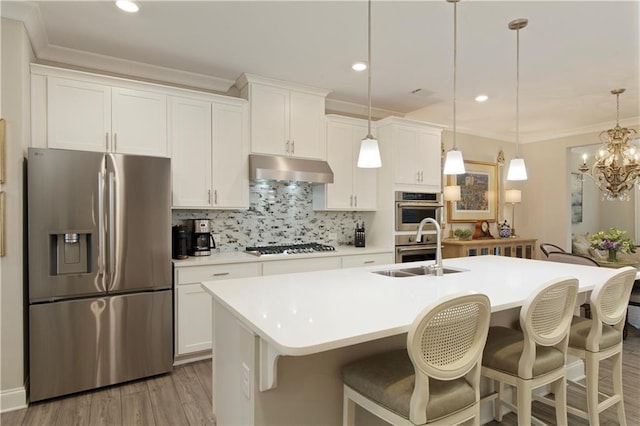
429 160
193 319
190 133
269 119
139 122
79 115
307 137
230 161
339 194
404 155
365 181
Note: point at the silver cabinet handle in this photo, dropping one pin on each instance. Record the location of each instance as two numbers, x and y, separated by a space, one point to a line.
220 274
293 147
215 196
208 196
369 261
355 201
115 142
417 176
287 147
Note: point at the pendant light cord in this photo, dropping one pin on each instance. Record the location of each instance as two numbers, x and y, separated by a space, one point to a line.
517 91
455 62
369 136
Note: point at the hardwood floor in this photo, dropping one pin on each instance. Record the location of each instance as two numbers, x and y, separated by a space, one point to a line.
183 397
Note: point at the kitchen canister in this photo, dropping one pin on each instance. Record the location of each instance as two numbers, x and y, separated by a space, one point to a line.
505 230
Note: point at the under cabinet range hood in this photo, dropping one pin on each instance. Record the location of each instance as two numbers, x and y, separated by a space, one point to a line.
276 167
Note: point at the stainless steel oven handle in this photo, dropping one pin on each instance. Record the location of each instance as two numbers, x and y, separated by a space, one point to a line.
423 204
415 248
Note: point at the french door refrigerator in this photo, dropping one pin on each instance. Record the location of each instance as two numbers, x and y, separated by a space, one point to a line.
100 287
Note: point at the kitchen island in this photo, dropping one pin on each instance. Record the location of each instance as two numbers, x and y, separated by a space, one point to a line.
279 341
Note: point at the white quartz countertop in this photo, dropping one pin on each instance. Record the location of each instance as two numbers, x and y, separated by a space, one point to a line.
306 313
243 257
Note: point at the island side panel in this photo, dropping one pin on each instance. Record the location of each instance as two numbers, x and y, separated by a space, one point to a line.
234 369
309 388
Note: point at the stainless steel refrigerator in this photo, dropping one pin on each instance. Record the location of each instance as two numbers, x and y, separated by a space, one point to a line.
100 287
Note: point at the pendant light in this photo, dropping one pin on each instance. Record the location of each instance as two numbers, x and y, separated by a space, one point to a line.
454 163
517 169
369 156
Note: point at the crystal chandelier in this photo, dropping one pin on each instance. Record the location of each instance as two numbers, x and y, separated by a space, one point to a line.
617 164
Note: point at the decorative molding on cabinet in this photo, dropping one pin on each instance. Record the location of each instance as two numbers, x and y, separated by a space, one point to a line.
245 79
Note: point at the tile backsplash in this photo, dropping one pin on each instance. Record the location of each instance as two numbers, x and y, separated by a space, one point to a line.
279 213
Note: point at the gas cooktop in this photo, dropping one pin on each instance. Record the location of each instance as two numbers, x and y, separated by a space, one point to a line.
289 249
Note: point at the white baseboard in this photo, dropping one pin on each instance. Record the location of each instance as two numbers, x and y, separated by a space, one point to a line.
186 359
13 399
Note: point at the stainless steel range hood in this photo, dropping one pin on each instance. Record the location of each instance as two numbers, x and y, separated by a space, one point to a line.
288 168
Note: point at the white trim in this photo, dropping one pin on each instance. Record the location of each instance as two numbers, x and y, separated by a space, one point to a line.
188 359
13 399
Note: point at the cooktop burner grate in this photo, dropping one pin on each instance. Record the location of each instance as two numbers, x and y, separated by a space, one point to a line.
289 249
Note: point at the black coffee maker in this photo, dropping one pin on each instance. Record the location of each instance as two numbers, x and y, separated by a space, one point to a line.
201 238
180 242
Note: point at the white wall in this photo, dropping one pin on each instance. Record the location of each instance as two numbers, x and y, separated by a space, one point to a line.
547 206
14 108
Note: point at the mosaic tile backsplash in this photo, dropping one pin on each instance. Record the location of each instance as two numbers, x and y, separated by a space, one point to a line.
279 213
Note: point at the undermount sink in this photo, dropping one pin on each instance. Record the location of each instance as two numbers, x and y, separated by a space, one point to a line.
414 272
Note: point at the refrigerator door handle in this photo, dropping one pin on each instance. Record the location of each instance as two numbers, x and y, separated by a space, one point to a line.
112 230
101 251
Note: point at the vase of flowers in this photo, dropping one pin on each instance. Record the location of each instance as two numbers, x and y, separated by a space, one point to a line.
613 241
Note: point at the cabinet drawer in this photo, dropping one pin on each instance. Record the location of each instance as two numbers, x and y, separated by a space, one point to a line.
367 259
301 265
217 272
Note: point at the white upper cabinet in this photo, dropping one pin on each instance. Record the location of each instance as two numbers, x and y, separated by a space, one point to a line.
353 188
414 150
83 115
285 119
190 134
79 115
209 150
139 122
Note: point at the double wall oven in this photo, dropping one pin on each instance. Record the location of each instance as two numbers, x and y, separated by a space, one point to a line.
410 209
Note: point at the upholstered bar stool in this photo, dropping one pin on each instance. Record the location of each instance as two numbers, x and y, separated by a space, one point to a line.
600 338
436 379
535 356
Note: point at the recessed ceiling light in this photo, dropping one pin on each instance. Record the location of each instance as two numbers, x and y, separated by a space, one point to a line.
481 98
359 66
127 6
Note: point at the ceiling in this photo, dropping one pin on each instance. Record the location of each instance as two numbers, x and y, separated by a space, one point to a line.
571 54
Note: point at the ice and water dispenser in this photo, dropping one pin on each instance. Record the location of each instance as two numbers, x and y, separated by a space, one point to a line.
70 253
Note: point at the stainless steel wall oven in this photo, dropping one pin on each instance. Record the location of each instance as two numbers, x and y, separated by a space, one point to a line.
407 250
412 207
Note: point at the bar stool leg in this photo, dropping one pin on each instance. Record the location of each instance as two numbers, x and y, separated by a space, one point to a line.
592 371
617 386
497 403
524 403
560 394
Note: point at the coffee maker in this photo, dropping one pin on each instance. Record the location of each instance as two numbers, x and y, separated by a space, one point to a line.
201 238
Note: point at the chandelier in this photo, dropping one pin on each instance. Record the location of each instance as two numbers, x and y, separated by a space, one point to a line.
617 165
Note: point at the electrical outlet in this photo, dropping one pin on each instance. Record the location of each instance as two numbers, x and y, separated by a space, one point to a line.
333 236
216 239
246 381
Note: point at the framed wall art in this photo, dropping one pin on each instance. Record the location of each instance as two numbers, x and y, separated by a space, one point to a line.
576 198
478 191
2 150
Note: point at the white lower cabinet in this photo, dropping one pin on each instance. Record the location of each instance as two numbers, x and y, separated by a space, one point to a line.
301 265
193 304
367 260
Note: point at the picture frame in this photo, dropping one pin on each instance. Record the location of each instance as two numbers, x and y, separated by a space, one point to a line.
2 223
3 126
576 198
479 193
